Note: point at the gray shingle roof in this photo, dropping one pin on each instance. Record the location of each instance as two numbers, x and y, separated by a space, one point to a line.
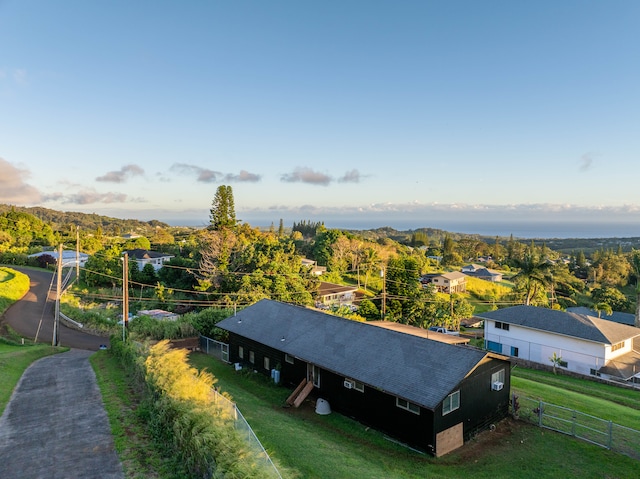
617 316
417 369
580 326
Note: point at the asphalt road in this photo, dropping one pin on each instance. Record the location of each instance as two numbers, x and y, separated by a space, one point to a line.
55 426
36 310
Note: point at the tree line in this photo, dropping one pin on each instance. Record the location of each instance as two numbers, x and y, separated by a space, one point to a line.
230 263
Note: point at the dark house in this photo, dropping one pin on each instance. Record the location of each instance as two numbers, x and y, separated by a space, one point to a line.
428 394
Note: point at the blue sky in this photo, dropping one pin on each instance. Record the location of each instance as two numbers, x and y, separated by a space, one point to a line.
364 113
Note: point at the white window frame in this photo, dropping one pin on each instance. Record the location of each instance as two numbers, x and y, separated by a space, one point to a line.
252 357
451 403
498 376
288 359
266 363
241 352
407 406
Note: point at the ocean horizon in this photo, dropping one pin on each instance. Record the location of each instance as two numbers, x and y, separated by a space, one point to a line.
503 229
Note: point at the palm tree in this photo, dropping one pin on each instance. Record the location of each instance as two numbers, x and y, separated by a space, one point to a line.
603 307
534 274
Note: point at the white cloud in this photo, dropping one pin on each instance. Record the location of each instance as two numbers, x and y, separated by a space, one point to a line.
203 175
306 175
121 175
13 187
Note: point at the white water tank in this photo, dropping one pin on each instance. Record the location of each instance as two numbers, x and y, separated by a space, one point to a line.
322 407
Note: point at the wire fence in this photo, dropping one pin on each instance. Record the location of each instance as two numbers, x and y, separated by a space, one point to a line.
574 423
214 348
221 351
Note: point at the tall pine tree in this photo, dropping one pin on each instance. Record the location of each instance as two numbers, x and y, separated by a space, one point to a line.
223 214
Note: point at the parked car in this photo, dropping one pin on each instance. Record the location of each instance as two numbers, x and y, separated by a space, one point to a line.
443 330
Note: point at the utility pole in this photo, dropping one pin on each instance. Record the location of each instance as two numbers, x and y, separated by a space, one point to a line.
77 253
384 292
125 293
56 318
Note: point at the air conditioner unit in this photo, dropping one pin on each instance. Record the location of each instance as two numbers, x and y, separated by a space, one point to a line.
348 384
497 386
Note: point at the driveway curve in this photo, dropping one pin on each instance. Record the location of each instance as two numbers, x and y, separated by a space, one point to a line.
36 310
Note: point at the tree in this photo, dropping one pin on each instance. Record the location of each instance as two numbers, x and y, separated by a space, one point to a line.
612 297
634 261
223 214
556 361
534 275
602 307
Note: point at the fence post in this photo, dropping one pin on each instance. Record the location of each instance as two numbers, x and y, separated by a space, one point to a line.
574 418
540 414
610 444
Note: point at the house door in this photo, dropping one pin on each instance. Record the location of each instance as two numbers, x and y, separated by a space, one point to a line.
313 374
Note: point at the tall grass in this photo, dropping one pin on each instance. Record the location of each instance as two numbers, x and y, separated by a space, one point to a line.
183 418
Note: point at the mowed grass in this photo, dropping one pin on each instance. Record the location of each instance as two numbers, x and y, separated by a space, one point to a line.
619 405
13 286
14 359
333 446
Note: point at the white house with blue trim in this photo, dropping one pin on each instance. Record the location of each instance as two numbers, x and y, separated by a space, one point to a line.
585 344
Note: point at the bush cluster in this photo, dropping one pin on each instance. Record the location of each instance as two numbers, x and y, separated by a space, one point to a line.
183 418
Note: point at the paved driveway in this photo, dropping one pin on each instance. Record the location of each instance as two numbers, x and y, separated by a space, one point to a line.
55 425
33 314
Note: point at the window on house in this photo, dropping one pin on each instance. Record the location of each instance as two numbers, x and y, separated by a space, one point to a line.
501 325
356 385
594 372
451 403
409 406
266 363
498 377
563 364
288 359
240 352
252 357
514 351
615 347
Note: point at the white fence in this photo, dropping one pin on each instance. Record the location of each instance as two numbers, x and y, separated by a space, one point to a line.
221 351
583 426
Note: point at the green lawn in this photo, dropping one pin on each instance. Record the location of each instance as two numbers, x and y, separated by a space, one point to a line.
333 446
13 285
14 359
622 406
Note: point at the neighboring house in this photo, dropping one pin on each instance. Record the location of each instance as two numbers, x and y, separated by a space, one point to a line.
618 317
144 257
68 257
330 294
454 282
586 344
470 268
313 266
428 394
486 274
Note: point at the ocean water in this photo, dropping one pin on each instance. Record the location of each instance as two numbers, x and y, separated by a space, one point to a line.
534 229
